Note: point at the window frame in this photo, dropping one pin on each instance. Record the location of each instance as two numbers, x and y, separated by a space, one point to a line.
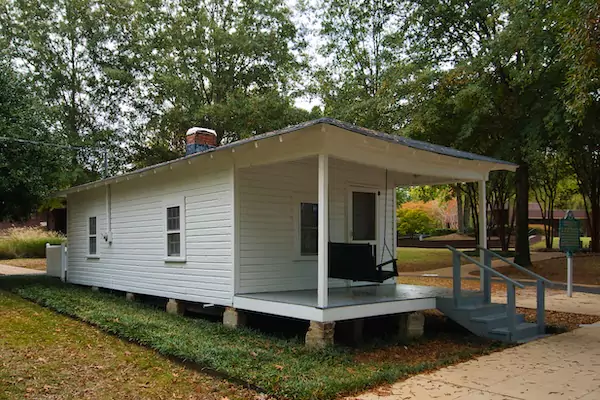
298 201
91 235
180 202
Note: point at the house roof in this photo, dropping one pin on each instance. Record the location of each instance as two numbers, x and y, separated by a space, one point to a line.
404 141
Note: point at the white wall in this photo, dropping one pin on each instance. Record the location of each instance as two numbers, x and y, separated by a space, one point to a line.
269 200
135 260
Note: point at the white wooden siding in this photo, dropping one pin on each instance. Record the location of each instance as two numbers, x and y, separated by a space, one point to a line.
135 260
269 198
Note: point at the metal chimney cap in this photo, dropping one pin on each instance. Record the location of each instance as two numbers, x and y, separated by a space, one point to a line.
195 130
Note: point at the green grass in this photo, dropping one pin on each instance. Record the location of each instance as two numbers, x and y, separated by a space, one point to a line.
27 242
555 243
45 355
279 367
414 259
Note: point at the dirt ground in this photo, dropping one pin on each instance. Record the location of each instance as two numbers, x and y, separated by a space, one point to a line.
586 270
39 264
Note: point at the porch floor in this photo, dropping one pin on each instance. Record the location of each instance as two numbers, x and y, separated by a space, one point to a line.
352 296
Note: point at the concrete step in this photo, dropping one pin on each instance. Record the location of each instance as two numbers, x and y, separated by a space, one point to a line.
498 320
523 331
481 310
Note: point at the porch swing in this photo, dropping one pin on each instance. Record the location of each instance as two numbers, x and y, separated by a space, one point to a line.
358 261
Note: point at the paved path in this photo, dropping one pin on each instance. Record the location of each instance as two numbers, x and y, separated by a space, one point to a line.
564 366
556 300
10 270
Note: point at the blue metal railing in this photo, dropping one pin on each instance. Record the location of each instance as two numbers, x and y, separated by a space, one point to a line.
541 283
511 284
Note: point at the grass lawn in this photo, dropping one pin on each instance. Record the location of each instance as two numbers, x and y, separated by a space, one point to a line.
555 243
38 264
586 269
45 355
280 367
414 259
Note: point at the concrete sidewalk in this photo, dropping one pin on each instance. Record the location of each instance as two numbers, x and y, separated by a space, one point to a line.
10 270
564 366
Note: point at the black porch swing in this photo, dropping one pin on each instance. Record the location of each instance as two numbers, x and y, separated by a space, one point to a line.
358 261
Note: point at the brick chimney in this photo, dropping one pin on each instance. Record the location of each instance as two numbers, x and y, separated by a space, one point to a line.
199 139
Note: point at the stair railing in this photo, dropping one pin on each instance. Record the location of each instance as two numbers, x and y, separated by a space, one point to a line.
541 283
511 303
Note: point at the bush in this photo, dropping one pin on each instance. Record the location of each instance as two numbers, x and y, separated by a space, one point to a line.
414 221
27 242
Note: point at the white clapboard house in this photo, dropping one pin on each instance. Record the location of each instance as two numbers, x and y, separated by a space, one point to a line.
298 222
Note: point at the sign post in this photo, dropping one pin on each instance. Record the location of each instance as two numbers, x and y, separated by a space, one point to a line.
570 242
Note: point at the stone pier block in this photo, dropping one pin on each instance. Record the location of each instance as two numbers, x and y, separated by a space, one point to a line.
320 334
233 318
175 307
411 325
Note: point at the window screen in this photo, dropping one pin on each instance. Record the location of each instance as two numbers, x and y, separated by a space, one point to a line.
92 236
309 228
363 215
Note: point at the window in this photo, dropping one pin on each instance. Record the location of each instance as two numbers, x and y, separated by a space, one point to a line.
364 216
174 232
309 229
92 237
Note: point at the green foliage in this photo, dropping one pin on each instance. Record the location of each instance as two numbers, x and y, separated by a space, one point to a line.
279 367
443 193
414 221
28 172
27 242
227 65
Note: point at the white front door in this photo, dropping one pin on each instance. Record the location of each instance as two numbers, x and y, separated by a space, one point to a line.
362 218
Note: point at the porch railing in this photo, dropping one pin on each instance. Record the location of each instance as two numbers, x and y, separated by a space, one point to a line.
511 305
541 284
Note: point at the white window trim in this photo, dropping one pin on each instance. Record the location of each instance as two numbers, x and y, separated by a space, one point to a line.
297 200
365 189
177 202
89 235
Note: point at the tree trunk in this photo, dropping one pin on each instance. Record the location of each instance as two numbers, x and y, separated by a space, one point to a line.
594 222
522 254
460 211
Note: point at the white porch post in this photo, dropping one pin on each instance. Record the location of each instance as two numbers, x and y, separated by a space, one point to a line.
482 230
323 264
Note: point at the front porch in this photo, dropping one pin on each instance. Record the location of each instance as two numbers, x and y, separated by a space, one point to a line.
344 302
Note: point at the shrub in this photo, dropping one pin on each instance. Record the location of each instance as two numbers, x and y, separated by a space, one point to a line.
27 242
414 221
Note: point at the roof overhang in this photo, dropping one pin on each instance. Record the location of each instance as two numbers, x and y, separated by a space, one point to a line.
342 140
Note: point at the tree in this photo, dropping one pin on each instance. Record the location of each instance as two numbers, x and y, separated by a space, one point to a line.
548 170
29 172
71 51
491 85
228 65
359 46
579 135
